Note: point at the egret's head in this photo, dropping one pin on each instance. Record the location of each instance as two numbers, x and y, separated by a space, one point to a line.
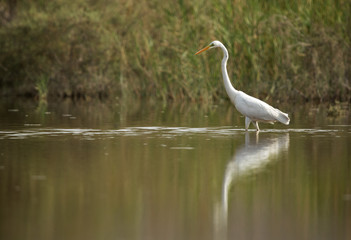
213 44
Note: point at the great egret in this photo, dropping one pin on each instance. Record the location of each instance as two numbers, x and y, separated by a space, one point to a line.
252 108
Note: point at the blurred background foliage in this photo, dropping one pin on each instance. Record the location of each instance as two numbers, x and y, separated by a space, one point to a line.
279 50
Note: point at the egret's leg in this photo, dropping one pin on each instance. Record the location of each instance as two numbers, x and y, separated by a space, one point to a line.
256 125
247 123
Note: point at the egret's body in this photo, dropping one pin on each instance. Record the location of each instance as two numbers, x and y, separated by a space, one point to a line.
252 108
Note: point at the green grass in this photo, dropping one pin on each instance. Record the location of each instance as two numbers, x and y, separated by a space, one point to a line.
42 86
279 50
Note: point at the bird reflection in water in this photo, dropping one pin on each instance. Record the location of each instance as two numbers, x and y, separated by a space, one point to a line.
249 159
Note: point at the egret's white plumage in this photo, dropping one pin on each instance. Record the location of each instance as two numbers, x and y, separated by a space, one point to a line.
252 108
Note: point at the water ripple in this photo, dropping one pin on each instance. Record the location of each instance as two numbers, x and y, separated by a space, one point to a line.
159 131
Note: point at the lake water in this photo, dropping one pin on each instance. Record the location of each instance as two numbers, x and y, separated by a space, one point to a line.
178 171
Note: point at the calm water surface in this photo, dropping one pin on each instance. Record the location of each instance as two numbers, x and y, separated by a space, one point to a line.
144 171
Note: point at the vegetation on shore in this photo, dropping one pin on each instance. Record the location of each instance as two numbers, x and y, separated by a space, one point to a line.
279 50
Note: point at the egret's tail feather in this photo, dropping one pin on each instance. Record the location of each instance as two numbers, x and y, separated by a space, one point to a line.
283 118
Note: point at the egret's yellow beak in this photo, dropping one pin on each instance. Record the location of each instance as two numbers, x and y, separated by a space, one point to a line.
202 50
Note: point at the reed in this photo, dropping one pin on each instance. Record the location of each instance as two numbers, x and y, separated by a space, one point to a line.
279 50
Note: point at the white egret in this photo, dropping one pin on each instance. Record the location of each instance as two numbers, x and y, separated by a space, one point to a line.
252 108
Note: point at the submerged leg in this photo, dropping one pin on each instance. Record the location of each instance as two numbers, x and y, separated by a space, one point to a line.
256 125
247 123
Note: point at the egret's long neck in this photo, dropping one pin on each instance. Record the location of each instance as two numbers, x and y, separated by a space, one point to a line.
231 91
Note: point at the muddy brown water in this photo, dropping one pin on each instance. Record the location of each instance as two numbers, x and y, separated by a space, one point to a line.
145 171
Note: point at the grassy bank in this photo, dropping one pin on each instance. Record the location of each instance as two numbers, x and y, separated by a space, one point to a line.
278 50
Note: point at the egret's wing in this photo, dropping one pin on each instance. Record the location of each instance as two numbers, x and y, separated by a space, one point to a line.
258 110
